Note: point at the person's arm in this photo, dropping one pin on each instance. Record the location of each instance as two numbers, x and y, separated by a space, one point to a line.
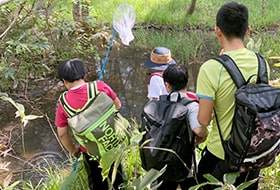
205 111
201 135
199 131
117 103
155 88
67 142
103 87
197 128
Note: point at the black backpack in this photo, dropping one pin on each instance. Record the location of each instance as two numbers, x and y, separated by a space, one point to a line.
166 127
254 142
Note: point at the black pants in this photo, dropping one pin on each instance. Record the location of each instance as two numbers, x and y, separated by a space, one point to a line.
95 180
217 167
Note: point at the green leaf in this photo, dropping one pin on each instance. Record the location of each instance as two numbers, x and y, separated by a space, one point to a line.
136 183
277 65
246 184
230 178
211 178
32 117
3 94
146 142
218 188
113 155
198 186
274 57
70 182
8 72
155 187
26 119
12 186
150 177
107 160
203 184
19 107
115 168
135 139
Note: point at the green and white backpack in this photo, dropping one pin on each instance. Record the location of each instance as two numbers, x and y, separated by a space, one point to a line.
98 126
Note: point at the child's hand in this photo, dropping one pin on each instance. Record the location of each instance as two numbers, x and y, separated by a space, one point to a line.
199 140
77 152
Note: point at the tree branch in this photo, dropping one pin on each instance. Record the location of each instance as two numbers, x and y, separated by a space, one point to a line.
2 2
12 23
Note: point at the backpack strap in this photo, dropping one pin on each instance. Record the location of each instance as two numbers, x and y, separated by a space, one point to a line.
92 92
235 73
238 78
232 69
184 100
154 74
262 72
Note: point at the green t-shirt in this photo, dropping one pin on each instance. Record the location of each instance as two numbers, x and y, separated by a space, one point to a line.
214 83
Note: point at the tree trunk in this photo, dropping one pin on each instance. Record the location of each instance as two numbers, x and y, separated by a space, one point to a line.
191 8
80 11
263 7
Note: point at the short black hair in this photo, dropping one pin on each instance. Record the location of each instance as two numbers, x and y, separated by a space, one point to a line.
232 19
177 76
71 70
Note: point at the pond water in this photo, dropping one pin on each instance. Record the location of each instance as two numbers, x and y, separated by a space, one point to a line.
127 76
124 72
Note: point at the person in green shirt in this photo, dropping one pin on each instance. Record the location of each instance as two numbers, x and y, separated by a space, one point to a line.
215 90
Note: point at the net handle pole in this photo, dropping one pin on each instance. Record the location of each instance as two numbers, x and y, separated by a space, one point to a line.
106 57
75 165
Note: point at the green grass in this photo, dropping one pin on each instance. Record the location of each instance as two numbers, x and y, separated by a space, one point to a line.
66 179
270 177
185 45
173 12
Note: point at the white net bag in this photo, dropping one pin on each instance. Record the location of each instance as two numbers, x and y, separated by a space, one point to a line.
123 22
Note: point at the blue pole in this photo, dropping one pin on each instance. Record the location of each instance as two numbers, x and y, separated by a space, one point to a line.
106 57
75 164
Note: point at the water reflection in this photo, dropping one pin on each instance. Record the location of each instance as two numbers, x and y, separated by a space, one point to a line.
127 76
